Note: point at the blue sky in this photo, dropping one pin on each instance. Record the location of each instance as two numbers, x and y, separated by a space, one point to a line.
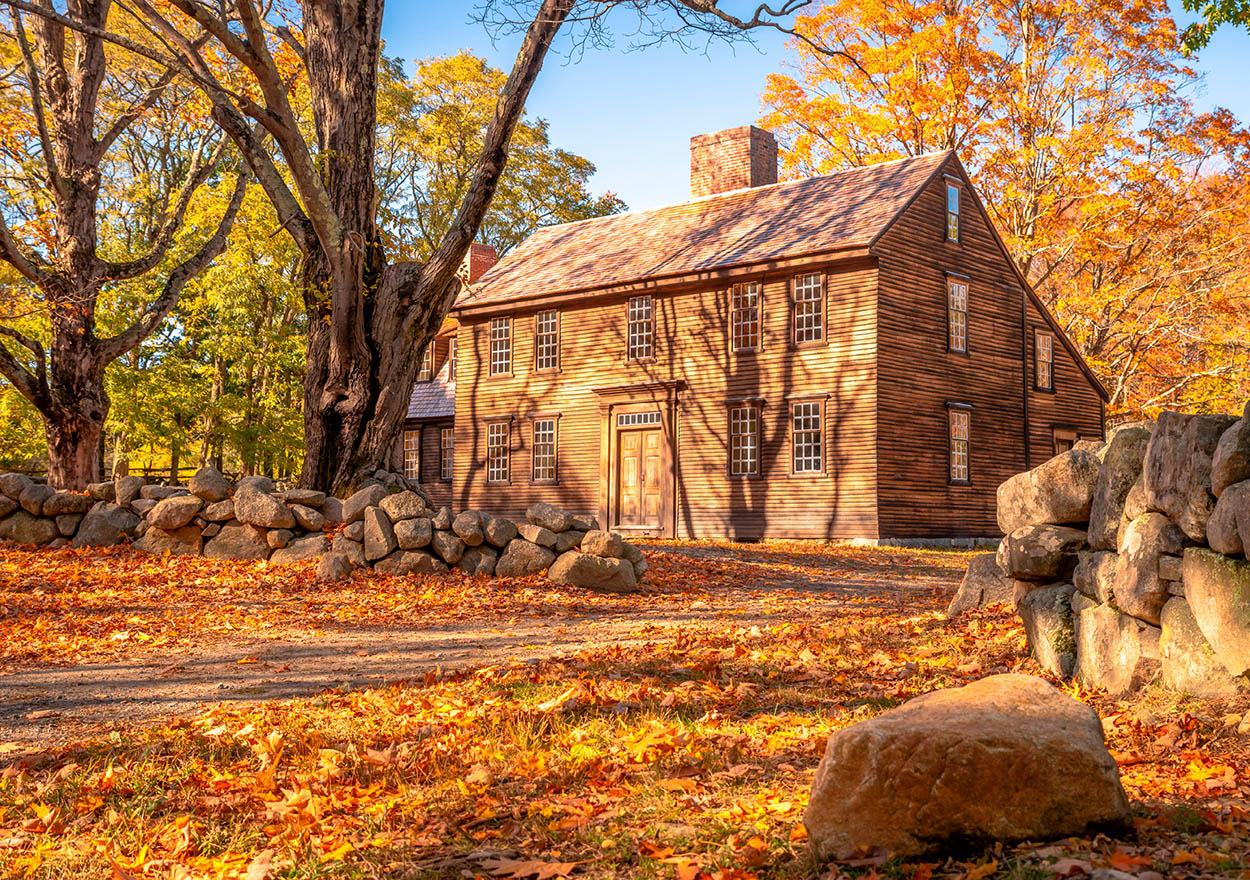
633 113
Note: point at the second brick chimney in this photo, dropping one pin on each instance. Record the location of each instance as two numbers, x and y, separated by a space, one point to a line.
735 158
478 261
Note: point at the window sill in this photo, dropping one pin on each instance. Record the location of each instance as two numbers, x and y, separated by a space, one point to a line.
818 343
962 352
950 482
811 475
500 375
1042 390
743 476
542 370
629 362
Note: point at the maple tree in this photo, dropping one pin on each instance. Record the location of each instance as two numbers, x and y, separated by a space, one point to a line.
1119 202
77 148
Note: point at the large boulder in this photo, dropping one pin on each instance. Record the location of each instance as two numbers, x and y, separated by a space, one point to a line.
405 505
1178 469
1232 512
127 489
102 491
379 534
219 512
1217 589
238 540
14 484
1056 492
479 560
521 558
1134 506
570 540
535 534
306 497
548 516
175 512
61 503
1121 467
1114 651
498 531
1230 463
601 573
259 482
33 497
67 524
1047 616
104 525
449 547
307 517
410 562
1040 552
601 543
468 526
7 505
983 584
413 534
257 508
1139 590
209 484
1189 663
24 528
186 541
1006 758
307 547
355 505
353 550
1095 574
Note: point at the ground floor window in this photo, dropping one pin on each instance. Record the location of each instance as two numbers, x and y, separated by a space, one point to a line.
544 451
807 439
412 453
744 441
497 441
446 453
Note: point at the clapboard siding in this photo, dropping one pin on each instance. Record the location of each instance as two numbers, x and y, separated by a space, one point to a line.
692 345
1074 403
919 377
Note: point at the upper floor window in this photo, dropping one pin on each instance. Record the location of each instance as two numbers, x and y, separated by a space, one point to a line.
809 308
498 440
744 317
446 453
427 364
1044 360
547 340
641 329
807 437
500 346
957 314
952 211
451 360
544 450
744 441
412 454
960 430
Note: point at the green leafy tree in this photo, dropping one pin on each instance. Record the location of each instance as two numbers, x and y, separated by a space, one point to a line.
1215 14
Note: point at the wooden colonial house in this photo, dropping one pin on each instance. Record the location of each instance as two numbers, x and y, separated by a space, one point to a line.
846 356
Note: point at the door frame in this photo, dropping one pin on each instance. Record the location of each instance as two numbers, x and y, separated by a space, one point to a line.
643 397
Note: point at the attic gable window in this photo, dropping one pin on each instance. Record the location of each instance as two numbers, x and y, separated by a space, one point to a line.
808 297
1044 361
744 319
500 346
952 211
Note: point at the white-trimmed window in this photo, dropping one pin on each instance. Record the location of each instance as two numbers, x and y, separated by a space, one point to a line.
641 328
544 451
744 316
412 453
446 453
498 440
807 437
547 340
957 314
451 360
807 293
426 372
500 346
744 440
1044 360
960 432
952 211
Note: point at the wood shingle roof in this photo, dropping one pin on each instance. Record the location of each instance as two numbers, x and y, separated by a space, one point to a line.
798 218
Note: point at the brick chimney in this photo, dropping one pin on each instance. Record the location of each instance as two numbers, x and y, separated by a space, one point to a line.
735 158
477 262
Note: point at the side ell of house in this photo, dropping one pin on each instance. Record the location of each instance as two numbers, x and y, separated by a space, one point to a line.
848 356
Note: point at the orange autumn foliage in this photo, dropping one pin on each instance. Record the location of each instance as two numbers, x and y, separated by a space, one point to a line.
1121 203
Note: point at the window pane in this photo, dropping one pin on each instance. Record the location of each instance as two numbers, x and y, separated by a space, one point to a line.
500 346
959 424
640 342
412 454
808 455
1045 360
447 452
545 449
809 308
957 314
952 212
547 340
745 316
744 440
427 364
497 452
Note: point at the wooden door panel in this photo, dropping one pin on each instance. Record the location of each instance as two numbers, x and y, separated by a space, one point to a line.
630 483
652 478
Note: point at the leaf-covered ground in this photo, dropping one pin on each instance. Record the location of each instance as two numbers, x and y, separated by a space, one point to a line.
684 751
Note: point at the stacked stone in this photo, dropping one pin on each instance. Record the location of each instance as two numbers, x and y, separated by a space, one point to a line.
32 512
1125 561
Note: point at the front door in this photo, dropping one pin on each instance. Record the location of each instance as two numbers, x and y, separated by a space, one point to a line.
639 466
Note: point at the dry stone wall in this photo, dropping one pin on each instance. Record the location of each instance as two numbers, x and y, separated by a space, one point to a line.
1126 560
388 526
